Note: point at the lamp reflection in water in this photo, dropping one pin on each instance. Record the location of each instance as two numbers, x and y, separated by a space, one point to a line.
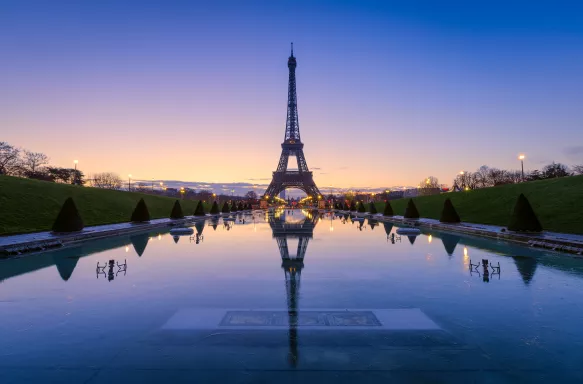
429 239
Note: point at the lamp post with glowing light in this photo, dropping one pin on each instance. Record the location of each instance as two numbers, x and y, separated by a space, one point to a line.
521 158
75 175
129 182
182 193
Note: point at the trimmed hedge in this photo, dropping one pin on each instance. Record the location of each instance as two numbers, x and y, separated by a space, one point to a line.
361 208
411 211
225 208
388 211
68 219
449 214
199 211
523 217
372 208
140 213
176 211
214 208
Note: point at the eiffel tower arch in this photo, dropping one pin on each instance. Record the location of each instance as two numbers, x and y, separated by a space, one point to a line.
292 145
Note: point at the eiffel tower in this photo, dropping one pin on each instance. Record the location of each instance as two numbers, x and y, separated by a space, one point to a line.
292 146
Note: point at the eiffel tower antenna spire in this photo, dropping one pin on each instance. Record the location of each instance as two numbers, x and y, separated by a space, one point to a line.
292 51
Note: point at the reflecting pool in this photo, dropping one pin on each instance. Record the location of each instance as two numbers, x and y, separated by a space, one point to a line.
292 296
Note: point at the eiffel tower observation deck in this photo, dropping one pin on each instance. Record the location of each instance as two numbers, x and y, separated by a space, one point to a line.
292 146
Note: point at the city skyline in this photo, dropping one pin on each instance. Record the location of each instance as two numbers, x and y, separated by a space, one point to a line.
388 94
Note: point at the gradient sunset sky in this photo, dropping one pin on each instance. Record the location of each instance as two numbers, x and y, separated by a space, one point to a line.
388 92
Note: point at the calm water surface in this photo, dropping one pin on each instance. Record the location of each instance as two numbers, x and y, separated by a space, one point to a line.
292 297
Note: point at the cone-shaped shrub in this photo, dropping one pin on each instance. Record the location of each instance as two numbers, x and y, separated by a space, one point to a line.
412 239
225 208
65 265
523 217
199 210
199 225
449 242
361 208
449 214
346 207
353 205
388 211
140 242
176 211
214 208
140 213
372 208
176 238
68 219
411 211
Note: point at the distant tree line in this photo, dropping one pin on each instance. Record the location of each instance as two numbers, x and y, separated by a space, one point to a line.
486 177
35 165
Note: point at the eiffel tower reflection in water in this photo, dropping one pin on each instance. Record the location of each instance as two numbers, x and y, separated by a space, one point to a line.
285 227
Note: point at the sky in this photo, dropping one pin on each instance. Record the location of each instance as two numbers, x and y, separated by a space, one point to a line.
389 92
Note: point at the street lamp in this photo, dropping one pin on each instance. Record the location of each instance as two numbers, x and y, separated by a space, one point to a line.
521 158
182 192
129 182
152 184
75 175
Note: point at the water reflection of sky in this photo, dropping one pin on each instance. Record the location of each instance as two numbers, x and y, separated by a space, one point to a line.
56 299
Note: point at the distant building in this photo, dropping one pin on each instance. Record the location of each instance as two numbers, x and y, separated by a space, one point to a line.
282 194
412 192
393 195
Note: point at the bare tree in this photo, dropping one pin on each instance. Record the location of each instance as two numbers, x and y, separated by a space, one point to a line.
251 195
9 159
106 180
429 186
34 161
577 169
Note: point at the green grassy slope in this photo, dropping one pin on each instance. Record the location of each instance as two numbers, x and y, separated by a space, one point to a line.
31 205
557 202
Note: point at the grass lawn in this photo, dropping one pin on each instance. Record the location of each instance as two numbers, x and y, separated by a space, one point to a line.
557 202
31 205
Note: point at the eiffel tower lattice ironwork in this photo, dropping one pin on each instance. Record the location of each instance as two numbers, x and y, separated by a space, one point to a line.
292 145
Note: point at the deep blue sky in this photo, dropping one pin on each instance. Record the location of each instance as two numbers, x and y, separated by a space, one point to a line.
389 92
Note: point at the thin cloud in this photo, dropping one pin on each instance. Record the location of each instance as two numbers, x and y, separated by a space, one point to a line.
574 152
